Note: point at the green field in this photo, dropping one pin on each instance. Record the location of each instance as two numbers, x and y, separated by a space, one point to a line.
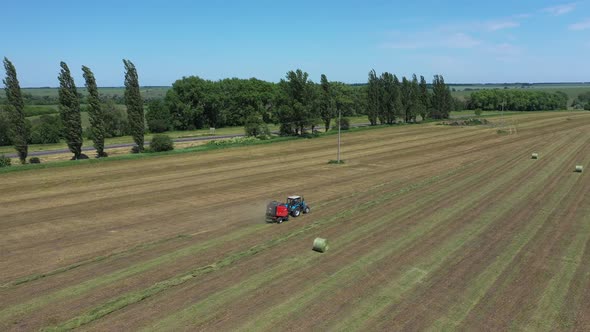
147 92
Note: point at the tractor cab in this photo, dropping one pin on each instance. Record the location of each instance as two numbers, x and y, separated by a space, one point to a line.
294 200
297 205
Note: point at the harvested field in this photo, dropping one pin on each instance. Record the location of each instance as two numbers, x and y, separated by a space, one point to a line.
429 227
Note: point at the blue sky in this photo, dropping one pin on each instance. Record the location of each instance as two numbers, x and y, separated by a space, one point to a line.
466 41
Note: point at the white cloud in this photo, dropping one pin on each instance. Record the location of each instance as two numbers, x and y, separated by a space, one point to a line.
434 39
560 9
403 45
460 40
521 16
500 25
584 25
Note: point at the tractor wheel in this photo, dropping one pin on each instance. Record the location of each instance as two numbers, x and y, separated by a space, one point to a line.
296 213
279 220
306 209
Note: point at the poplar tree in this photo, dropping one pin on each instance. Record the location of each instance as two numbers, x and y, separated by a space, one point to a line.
327 102
69 109
442 101
95 112
418 103
398 103
134 104
16 111
424 98
373 97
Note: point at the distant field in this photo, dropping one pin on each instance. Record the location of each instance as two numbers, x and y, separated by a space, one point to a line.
572 90
147 92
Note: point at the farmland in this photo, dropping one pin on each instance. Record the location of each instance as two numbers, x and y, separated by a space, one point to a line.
429 226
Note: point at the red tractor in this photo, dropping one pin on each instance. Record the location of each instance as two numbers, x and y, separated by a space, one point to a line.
279 212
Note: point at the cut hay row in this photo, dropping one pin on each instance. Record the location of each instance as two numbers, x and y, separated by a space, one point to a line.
312 290
400 218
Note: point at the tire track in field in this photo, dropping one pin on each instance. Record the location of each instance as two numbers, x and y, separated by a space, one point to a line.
265 302
358 244
126 319
427 243
90 231
75 291
464 271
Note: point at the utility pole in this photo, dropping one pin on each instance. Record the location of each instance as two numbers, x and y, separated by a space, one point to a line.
339 125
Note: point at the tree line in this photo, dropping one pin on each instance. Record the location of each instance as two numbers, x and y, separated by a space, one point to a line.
69 125
516 100
295 103
389 99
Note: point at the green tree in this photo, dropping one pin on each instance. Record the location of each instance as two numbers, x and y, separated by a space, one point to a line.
47 130
134 102
442 101
373 97
424 99
327 102
186 102
418 104
389 101
95 112
69 108
16 112
158 117
297 103
5 139
115 120
256 127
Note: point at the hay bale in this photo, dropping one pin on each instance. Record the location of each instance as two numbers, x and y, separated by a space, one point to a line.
579 168
535 156
320 245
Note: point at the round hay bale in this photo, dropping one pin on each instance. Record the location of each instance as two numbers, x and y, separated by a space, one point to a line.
579 168
535 156
320 245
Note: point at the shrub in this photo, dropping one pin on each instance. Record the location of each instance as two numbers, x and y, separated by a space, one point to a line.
233 141
478 112
161 143
34 160
157 125
4 161
135 149
345 124
256 127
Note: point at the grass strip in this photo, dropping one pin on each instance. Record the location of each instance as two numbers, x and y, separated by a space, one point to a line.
197 149
547 312
96 259
80 289
136 296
